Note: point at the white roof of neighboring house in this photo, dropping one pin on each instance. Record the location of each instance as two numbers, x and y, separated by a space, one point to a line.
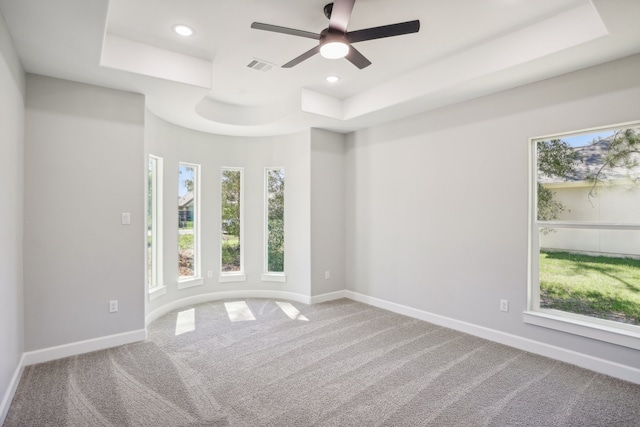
185 200
592 160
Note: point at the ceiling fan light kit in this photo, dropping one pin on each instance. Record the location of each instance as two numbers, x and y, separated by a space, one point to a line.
335 41
334 50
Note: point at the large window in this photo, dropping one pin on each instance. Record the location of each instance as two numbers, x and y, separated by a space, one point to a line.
188 224
274 222
231 215
154 224
585 237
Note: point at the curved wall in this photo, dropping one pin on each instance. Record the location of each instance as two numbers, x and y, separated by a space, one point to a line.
175 144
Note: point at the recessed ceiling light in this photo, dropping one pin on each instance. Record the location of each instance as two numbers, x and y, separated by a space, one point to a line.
332 79
183 30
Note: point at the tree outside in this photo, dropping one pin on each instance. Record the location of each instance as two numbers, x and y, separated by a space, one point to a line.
230 245
590 270
275 220
558 160
186 218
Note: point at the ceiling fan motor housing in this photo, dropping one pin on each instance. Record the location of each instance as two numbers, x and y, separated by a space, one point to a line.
327 10
335 41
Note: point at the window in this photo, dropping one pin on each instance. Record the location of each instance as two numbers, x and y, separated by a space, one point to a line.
274 224
188 225
231 217
154 225
585 236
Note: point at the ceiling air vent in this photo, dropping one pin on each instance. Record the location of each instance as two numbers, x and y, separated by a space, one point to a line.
260 65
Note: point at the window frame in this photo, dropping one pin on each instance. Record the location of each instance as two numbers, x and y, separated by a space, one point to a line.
591 327
155 283
196 279
233 276
271 276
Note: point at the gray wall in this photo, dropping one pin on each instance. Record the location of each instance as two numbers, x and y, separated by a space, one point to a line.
437 204
176 144
84 166
327 211
12 87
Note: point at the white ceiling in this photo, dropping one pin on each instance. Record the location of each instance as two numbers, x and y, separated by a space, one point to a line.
464 49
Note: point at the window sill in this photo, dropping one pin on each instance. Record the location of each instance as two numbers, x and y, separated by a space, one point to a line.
232 277
156 292
274 277
191 282
597 329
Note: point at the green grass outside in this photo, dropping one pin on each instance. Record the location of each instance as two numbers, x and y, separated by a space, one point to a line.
230 239
185 241
185 225
597 286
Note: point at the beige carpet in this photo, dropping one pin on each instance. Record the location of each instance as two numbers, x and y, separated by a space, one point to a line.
340 363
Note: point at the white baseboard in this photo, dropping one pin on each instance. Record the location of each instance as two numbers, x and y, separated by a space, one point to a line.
11 390
329 296
602 366
215 296
80 347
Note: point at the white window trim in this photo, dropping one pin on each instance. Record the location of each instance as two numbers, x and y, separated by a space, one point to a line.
576 324
233 276
156 292
274 277
157 242
270 276
597 329
197 278
190 282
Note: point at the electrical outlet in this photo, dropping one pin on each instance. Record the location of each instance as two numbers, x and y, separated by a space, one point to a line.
504 305
210 274
113 306
327 274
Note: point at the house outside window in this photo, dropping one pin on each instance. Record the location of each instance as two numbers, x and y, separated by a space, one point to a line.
188 225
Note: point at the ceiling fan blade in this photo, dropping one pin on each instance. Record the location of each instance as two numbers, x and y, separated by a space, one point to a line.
357 59
308 54
340 15
383 31
285 30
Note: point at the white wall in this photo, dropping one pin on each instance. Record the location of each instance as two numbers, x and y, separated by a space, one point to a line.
327 211
84 166
12 87
176 144
415 239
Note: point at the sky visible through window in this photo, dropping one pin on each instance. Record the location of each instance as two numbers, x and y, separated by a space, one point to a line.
586 139
186 173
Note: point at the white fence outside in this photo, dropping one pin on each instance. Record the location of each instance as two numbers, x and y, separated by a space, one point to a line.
619 203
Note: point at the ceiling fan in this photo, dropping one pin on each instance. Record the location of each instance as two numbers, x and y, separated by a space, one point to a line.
335 41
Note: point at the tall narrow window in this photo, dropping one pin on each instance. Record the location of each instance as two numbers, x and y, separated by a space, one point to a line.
231 215
274 220
188 222
154 224
585 235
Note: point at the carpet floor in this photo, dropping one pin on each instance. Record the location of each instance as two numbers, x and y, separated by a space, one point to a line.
260 362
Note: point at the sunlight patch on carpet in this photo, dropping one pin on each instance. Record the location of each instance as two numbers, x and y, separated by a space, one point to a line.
239 311
186 321
291 311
